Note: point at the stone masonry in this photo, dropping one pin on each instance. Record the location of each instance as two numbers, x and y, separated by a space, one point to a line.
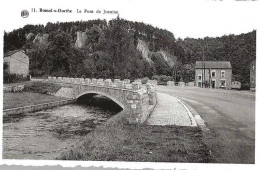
136 98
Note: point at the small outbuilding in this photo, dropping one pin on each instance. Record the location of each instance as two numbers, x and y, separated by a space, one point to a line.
17 62
236 85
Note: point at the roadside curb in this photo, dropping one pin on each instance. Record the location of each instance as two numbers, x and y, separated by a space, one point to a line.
192 112
192 119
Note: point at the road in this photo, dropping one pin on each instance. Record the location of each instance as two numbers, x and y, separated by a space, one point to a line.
230 117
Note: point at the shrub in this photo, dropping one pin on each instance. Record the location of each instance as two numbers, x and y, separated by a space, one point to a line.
37 72
144 80
245 86
14 78
162 78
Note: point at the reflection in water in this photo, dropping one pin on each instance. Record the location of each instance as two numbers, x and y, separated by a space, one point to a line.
46 134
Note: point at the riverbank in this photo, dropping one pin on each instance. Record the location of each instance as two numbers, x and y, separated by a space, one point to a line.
115 140
20 99
44 135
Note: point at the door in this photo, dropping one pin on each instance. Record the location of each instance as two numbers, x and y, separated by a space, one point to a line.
213 84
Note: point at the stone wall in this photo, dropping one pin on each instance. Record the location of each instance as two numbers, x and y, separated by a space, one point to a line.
66 92
190 84
170 83
134 97
152 82
181 84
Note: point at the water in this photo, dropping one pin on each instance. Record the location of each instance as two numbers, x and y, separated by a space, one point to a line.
46 134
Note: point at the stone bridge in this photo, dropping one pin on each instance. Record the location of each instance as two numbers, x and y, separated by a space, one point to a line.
137 99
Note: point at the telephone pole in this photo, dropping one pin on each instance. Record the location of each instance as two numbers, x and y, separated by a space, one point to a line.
203 68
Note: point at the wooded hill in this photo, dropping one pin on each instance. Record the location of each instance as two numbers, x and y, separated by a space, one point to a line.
124 49
240 50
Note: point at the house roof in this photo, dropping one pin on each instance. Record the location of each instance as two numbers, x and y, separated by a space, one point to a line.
9 53
213 64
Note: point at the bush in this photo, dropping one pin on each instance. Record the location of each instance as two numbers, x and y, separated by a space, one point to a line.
144 80
14 78
41 87
245 86
162 78
37 72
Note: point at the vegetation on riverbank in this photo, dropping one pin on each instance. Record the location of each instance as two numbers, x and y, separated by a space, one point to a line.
116 140
42 87
33 93
13 100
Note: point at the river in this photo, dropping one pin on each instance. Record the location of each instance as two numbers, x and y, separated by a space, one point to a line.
46 134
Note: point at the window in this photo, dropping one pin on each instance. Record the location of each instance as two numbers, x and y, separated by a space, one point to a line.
253 67
252 79
200 76
222 83
222 74
213 74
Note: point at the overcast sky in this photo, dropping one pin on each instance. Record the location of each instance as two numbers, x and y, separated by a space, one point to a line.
184 18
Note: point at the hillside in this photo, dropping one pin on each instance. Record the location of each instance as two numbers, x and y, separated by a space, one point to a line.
96 48
240 50
124 49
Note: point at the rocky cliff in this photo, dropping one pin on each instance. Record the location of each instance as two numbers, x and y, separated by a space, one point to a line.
146 53
81 39
29 36
41 39
143 48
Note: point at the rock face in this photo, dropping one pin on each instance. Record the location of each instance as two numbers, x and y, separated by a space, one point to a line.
41 39
143 48
81 39
170 59
29 36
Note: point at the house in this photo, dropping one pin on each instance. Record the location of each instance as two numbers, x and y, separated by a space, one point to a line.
252 75
17 62
213 74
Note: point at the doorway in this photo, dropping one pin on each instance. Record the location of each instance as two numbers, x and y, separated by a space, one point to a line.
213 84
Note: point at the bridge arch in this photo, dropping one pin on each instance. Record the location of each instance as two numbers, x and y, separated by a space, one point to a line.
103 94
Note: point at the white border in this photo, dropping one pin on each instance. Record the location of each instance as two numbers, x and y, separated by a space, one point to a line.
134 10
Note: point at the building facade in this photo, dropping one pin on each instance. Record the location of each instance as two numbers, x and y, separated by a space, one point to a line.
17 63
252 75
213 74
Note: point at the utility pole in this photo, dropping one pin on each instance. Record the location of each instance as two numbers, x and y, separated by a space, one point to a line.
203 68
209 78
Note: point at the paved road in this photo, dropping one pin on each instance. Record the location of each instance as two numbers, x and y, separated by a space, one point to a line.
230 116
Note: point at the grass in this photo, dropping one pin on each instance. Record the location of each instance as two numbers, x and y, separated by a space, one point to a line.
42 87
116 140
34 93
13 100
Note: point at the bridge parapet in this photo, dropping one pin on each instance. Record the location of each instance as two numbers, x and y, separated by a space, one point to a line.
136 98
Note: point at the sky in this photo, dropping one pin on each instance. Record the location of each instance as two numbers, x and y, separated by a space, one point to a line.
184 18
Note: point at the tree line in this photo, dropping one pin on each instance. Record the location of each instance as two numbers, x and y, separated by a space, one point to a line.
113 54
